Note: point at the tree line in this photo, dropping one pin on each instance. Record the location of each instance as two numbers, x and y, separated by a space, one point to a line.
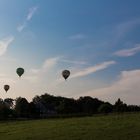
48 105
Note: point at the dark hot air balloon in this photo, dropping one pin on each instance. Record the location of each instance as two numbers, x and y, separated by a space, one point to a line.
20 71
6 87
66 74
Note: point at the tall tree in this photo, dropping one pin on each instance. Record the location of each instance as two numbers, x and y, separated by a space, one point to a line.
22 107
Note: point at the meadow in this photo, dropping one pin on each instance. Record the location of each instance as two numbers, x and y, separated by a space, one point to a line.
101 127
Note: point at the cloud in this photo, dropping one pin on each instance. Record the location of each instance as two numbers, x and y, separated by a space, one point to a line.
51 62
77 37
47 65
128 52
31 13
93 69
74 62
118 32
22 26
31 79
8 59
126 87
86 71
2 75
44 69
28 18
6 79
4 44
127 26
123 28
36 74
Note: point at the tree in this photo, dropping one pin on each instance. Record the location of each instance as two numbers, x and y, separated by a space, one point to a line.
22 107
33 111
88 104
5 111
120 106
105 108
9 102
67 106
40 107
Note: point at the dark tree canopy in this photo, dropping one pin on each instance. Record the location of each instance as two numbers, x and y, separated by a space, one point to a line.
48 105
22 107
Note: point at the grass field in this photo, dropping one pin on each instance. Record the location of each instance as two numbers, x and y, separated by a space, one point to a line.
110 127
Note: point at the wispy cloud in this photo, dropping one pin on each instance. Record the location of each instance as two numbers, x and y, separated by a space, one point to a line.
118 32
93 69
31 12
128 52
73 62
44 69
127 26
29 16
77 37
22 26
49 64
4 44
87 71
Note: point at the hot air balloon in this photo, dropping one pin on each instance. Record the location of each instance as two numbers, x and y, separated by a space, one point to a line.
20 71
6 87
66 74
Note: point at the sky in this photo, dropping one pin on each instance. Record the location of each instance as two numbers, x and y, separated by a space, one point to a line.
97 40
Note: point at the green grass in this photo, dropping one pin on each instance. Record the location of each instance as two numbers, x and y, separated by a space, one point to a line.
110 127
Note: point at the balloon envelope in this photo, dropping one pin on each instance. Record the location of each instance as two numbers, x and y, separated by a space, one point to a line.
66 74
6 87
20 71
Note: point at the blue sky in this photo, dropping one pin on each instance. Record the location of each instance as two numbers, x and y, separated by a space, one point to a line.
97 40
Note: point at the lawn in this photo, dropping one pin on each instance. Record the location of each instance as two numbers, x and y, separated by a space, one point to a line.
108 127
